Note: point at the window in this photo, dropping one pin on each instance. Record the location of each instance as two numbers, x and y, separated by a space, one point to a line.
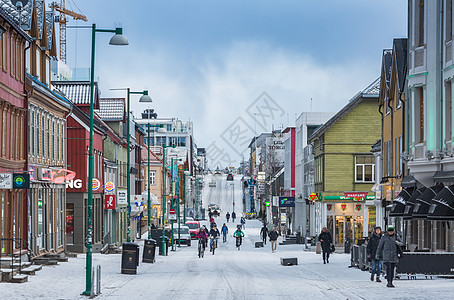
152 177
421 114
12 133
12 55
43 132
48 138
364 168
421 22
449 20
182 141
448 111
32 132
38 63
57 158
53 142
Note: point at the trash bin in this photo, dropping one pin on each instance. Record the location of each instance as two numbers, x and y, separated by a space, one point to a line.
149 251
129 258
166 245
347 245
299 238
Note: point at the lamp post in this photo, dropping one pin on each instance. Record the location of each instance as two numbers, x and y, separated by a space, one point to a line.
164 196
117 40
144 98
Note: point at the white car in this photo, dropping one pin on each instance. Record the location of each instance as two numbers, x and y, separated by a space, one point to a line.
185 235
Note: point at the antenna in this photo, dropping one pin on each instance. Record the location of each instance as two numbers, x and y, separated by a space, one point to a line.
311 104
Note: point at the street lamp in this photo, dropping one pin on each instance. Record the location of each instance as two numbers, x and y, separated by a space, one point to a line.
117 40
143 98
164 196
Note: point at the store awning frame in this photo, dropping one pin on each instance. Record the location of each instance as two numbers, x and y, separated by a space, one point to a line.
442 205
398 204
422 204
408 211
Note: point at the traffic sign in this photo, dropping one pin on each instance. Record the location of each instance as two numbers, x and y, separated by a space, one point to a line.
172 211
172 215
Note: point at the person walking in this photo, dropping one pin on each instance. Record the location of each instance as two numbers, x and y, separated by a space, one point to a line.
264 233
325 240
387 251
243 223
224 231
233 217
273 239
227 216
372 246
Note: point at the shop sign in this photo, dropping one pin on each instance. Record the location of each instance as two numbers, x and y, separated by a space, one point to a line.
275 200
286 201
343 206
109 186
96 184
122 199
358 207
6 180
109 201
358 196
313 196
62 175
21 181
283 218
329 207
74 184
45 174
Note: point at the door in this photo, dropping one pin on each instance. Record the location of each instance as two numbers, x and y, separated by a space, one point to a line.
339 233
349 229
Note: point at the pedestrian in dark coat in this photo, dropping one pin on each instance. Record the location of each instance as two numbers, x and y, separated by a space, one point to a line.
273 239
264 233
372 246
325 240
227 216
233 217
387 251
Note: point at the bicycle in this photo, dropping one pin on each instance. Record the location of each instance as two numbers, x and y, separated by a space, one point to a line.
213 244
238 242
201 247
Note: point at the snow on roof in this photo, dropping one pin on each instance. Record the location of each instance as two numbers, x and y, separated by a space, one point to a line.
78 91
111 109
373 88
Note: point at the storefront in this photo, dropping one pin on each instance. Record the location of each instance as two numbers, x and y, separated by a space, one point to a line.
345 221
46 211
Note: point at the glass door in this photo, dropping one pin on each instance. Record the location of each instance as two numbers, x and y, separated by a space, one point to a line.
339 239
349 228
40 231
359 223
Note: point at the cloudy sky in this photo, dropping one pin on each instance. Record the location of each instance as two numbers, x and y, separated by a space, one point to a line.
209 61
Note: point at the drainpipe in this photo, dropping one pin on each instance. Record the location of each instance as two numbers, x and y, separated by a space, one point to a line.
381 160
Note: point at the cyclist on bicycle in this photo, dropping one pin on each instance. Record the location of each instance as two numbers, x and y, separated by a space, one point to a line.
224 231
202 236
238 234
214 234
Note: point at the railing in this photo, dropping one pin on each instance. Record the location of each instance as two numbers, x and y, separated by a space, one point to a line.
105 242
14 242
358 254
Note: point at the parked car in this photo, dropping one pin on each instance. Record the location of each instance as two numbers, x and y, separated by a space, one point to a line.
185 235
194 227
229 177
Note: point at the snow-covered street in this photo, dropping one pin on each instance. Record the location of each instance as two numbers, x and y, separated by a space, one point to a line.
251 273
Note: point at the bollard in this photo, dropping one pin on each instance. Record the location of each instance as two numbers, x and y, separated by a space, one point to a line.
98 280
92 290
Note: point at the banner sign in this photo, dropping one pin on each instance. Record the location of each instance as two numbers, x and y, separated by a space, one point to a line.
6 180
122 199
109 201
286 201
358 196
21 181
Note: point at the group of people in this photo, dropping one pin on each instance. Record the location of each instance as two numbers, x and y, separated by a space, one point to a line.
273 235
227 216
381 249
213 234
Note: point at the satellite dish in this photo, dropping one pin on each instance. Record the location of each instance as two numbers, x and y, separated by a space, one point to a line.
19 3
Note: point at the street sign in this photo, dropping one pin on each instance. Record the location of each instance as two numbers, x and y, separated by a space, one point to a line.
172 215
313 196
6 180
109 201
286 201
122 198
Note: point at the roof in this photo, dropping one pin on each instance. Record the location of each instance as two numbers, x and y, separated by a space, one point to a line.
386 67
78 91
111 109
45 89
371 91
25 14
400 57
14 24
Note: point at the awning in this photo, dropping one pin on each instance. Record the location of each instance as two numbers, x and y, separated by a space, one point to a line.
444 177
409 181
411 203
422 204
400 201
442 205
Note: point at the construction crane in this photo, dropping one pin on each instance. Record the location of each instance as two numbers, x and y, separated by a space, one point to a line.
61 20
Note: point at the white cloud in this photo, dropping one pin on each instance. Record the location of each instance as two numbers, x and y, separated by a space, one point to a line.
217 90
